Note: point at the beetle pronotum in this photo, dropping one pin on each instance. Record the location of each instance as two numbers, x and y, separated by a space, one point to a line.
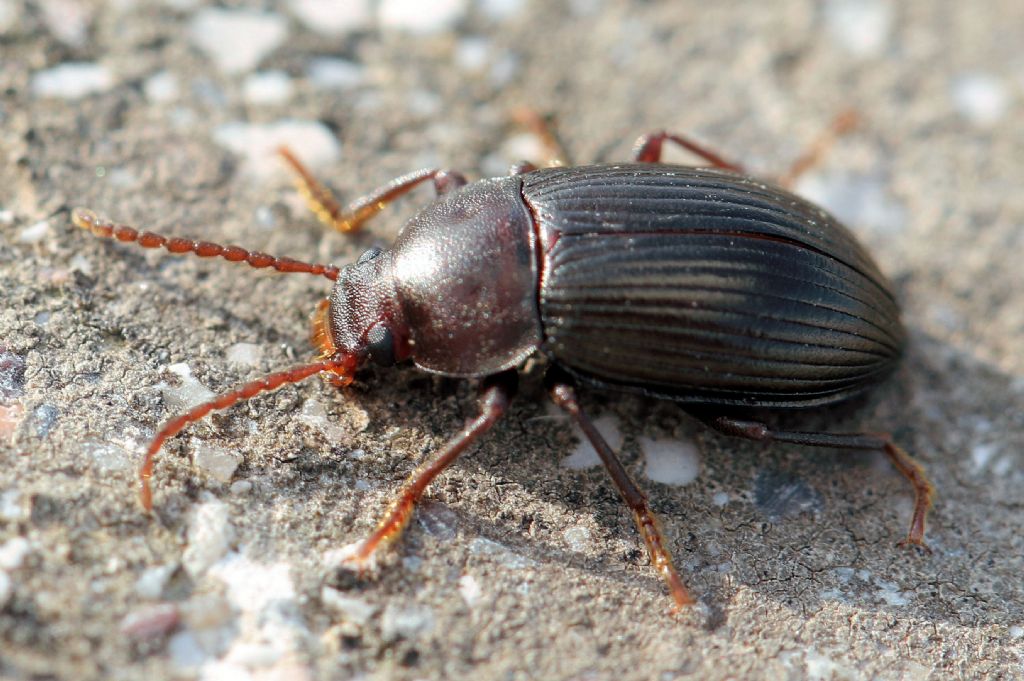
700 285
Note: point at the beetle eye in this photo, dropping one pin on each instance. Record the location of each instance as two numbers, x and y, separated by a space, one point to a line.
371 253
381 345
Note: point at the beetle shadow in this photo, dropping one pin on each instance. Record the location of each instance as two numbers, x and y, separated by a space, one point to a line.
804 526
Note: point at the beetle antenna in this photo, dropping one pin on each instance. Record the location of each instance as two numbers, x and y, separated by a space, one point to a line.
342 365
86 219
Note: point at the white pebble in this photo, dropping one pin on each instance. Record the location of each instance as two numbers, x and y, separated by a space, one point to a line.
161 88
469 589
107 457
253 586
190 393
333 18
10 14
256 143
314 415
670 461
13 553
578 538
210 535
500 553
244 354
72 80
68 20
268 87
500 10
471 54
217 462
354 610
720 498
152 581
34 233
1015 631
6 588
240 487
862 27
12 506
405 622
331 73
584 455
416 16
981 98
185 651
237 40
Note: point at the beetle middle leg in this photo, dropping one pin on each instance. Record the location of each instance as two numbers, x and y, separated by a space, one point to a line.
495 395
564 395
909 467
350 219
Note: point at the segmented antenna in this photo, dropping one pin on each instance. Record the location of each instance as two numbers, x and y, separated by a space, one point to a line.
340 365
86 219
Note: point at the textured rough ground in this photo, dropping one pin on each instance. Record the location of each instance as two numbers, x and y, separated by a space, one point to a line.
520 565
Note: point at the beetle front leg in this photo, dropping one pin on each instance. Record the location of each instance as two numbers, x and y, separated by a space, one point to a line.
564 395
327 209
913 471
496 393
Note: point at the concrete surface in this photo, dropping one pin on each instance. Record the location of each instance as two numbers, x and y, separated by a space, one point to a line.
522 564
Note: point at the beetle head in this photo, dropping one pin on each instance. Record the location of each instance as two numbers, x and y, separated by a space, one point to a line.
363 318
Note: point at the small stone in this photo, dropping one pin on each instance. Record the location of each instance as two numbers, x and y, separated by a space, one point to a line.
500 10
862 27
333 18
34 233
217 462
354 610
12 506
240 487
407 623
500 553
150 621
469 589
6 588
152 581
210 536
237 40
670 461
981 98
244 354
13 552
10 15
314 415
414 16
185 652
330 73
107 457
12 374
72 80
578 538
268 87
584 455
257 144
68 20
188 394
252 586
161 88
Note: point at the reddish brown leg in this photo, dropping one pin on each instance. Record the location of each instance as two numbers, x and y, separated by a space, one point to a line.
648 150
564 395
913 471
842 124
496 393
86 219
538 125
327 209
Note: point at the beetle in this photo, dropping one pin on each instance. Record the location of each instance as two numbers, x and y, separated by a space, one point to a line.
701 285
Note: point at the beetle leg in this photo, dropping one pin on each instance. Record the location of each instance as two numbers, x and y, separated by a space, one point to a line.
495 395
913 471
648 150
564 395
327 209
540 127
812 155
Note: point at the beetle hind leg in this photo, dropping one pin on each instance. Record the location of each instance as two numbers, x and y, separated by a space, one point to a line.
564 395
910 468
495 395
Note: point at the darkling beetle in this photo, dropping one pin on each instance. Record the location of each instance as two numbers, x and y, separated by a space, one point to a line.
700 285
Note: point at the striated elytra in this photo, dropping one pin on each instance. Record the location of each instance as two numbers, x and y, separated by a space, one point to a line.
699 285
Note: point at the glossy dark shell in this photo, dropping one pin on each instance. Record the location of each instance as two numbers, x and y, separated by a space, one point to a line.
706 287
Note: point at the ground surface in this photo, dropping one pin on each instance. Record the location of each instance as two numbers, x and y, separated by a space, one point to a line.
522 564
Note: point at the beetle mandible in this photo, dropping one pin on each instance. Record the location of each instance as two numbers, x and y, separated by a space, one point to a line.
700 285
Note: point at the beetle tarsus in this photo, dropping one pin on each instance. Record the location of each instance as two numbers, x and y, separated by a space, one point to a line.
564 395
910 468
